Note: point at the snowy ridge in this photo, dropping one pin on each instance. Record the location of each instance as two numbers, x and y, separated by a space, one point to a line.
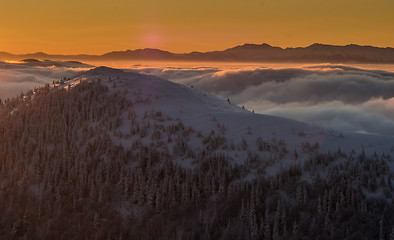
197 109
115 155
204 113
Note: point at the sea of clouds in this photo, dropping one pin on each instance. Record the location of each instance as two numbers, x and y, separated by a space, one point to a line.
333 96
18 78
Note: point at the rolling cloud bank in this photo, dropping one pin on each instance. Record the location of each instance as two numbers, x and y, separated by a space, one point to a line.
332 96
17 78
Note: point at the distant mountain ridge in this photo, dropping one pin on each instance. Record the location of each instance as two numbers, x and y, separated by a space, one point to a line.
315 53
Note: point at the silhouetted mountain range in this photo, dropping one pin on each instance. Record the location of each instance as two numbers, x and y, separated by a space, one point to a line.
315 53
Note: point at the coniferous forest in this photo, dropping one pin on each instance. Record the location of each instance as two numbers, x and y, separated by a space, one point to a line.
81 163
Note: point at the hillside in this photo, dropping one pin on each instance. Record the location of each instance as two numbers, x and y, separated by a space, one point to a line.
116 155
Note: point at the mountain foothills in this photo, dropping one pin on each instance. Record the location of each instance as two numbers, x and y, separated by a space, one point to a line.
117 155
315 53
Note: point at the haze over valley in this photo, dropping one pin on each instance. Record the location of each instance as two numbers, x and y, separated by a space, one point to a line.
350 98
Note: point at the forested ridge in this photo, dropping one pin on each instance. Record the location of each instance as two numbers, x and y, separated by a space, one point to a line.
81 163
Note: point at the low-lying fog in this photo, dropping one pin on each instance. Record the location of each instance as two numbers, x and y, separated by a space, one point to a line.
347 98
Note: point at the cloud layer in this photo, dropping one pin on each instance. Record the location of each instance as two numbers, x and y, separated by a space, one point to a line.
333 96
17 78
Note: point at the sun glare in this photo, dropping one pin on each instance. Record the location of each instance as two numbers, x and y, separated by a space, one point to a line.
152 39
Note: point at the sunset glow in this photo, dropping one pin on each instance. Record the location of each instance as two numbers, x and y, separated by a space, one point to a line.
11 61
96 27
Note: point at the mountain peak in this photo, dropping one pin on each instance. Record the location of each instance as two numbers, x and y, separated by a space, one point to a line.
152 52
319 45
252 46
263 45
147 53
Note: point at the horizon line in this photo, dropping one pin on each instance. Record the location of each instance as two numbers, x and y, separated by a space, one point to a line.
194 51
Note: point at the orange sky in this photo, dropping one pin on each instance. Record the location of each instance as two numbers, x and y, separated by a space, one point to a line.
99 26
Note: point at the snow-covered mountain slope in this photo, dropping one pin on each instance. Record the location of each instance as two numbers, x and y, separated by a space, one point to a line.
115 155
203 112
243 133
